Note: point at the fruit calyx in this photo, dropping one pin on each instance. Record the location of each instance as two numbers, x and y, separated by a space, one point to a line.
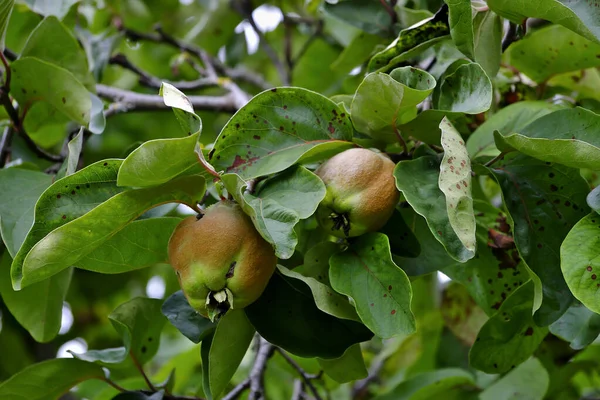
340 222
218 303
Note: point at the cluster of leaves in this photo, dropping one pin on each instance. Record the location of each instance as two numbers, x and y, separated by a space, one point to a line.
494 135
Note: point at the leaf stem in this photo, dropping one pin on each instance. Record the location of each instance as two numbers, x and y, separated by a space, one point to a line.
307 378
141 369
495 159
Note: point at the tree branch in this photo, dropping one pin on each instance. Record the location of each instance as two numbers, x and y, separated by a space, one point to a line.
126 101
307 378
5 144
360 388
141 369
236 74
255 379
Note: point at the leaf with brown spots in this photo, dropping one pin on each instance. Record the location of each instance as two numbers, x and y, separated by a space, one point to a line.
293 124
510 336
540 227
380 289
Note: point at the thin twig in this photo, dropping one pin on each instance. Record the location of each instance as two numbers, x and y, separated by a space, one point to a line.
318 31
153 82
6 69
115 385
244 7
236 74
390 10
141 369
307 378
238 390
360 388
398 135
265 351
495 159
5 144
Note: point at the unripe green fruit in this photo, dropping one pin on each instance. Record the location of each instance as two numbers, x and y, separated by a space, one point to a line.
221 260
361 192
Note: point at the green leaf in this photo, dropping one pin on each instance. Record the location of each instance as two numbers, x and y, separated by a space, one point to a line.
6 7
53 42
286 315
16 212
552 50
425 127
37 80
512 118
158 161
411 41
487 27
78 235
402 240
510 336
278 204
356 53
382 101
366 15
430 385
455 182
580 16
326 299
38 308
379 289
467 90
461 26
418 181
529 381
91 186
182 107
59 8
139 322
278 128
567 137
49 379
545 202
579 261
349 367
140 244
183 317
579 326
229 344
69 166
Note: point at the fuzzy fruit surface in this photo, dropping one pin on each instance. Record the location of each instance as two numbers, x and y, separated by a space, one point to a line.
361 192
221 250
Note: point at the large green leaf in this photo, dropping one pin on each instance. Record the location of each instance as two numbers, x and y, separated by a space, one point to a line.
545 201
379 289
347 368
430 385
16 212
418 181
187 320
512 118
37 80
6 7
553 50
158 161
286 315
461 26
139 244
411 41
356 53
38 308
382 102
278 128
366 15
466 90
425 127
579 326
579 16
49 380
579 261
455 183
53 42
487 27
568 137
278 204
510 336
227 348
528 381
